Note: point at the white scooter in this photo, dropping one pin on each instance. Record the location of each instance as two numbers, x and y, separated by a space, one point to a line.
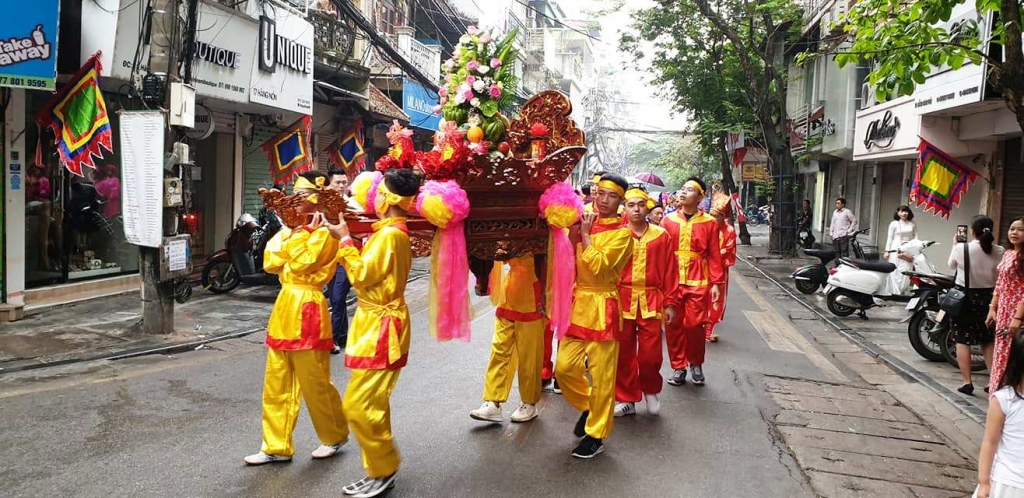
856 285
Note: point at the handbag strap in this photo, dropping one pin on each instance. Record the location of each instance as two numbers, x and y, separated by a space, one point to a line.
967 266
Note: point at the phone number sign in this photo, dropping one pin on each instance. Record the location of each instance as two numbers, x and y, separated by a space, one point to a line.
28 46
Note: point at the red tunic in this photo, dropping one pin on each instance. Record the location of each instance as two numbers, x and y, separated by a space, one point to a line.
696 242
649 276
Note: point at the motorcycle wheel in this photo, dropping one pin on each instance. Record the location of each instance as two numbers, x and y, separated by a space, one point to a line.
183 291
835 307
752 221
949 351
920 332
220 277
807 286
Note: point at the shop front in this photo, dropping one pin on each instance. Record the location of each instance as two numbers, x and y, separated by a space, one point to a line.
885 157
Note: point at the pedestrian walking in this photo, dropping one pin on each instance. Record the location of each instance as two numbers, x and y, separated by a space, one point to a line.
603 246
977 267
517 345
380 334
1001 460
338 289
901 230
1007 307
843 225
696 239
650 275
299 337
721 209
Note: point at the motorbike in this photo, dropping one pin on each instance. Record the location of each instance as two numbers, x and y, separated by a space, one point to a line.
242 256
856 285
757 215
810 278
929 330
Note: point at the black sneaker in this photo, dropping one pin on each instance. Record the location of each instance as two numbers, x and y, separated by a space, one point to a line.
588 448
376 487
547 386
698 375
967 389
581 425
335 350
677 378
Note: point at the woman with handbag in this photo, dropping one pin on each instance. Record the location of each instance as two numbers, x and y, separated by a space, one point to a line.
976 266
1007 308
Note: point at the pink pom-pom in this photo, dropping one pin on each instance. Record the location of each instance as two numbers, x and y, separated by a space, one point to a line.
371 195
451 196
560 195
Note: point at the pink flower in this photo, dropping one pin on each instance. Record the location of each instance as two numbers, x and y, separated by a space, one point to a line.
468 94
437 109
471 79
495 63
486 38
473 30
495 92
443 91
472 65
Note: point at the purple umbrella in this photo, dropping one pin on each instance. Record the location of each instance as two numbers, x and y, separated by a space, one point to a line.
651 178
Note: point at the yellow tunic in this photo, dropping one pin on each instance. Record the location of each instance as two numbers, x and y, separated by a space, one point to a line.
595 309
379 335
304 261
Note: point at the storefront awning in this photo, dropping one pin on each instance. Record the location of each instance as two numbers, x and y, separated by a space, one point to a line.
329 93
383 107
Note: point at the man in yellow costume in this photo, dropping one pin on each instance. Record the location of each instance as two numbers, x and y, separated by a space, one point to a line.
603 248
299 335
518 338
378 340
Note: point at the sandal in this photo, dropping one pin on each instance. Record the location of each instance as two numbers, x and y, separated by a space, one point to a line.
967 389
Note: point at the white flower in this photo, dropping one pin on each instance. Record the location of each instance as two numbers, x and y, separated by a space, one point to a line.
460 98
479 85
464 39
475 102
483 69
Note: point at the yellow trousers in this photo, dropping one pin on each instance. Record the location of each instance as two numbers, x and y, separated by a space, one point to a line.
368 406
575 357
515 343
289 374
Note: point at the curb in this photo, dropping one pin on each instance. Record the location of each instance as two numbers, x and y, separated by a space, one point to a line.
897 365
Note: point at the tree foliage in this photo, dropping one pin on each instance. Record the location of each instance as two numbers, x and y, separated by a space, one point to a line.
907 41
674 159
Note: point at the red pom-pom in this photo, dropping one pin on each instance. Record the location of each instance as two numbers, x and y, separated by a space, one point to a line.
539 130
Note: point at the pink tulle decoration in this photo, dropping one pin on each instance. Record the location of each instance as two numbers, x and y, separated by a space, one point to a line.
561 207
446 206
371 195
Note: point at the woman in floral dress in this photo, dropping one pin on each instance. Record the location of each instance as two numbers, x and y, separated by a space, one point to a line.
1007 308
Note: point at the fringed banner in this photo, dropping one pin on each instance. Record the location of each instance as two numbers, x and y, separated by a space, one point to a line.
347 153
939 180
77 116
288 152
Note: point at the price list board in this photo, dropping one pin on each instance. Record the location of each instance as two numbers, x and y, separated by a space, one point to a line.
142 154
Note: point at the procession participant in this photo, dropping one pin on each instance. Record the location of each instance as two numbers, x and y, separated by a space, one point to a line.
378 343
603 246
299 335
695 239
588 204
721 209
656 215
337 290
518 336
647 278
547 373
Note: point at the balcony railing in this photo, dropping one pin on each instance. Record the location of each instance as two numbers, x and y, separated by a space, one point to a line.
334 39
426 58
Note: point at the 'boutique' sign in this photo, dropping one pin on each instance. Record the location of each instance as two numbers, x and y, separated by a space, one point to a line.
882 132
276 49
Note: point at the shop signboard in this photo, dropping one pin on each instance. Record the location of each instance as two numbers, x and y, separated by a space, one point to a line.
754 172
419 104
28 46
946 88
223 51
887 131
283 76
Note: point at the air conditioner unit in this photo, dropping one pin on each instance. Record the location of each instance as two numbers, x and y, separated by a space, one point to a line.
867 96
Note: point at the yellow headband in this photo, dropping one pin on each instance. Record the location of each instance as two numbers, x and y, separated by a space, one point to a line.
595 179
386 198
303 184
610 185
696 186
635 192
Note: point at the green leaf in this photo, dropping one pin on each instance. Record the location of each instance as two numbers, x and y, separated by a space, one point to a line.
489 108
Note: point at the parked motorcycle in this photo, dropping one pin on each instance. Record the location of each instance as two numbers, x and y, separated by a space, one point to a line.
757 215
856 285
242 258
810 278
929 330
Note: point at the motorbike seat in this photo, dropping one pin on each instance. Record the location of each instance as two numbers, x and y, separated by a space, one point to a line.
863 264
824 254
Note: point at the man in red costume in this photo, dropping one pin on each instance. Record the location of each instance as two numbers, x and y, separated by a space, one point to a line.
721 209
695 239
648 277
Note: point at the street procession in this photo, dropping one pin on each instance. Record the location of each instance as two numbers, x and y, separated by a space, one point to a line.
418 248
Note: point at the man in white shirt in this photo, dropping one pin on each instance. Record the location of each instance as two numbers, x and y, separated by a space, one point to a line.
844 223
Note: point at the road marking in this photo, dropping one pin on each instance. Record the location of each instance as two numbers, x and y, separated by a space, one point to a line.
780 335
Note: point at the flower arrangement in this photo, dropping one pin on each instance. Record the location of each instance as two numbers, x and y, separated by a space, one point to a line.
479 84
402 153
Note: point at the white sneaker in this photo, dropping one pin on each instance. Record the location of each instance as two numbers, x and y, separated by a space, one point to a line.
525 413
262 458
653 404
623 409
327 450
488 412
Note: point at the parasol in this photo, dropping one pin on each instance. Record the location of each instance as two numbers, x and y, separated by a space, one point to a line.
649 177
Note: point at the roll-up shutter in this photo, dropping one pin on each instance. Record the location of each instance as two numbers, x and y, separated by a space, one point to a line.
320 142
866 205
256 169
1013 188
851 187
224 121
